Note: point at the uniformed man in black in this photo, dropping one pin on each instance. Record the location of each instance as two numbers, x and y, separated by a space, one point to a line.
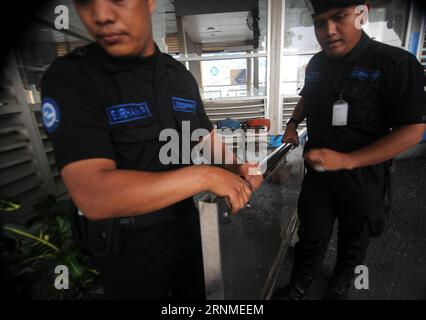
104 106
356 91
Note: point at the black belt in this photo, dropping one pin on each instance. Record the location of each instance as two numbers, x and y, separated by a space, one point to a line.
148 219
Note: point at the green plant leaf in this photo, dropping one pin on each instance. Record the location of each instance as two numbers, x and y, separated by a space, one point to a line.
29 235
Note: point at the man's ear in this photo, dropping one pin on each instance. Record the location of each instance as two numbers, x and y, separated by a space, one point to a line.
152 5
366 12
361 12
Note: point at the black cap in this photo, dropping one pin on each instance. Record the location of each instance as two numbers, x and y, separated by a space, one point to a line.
321 6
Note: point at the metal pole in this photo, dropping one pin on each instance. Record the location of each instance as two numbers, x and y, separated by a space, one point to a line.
275 53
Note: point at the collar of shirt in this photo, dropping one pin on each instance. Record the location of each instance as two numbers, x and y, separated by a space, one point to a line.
114 64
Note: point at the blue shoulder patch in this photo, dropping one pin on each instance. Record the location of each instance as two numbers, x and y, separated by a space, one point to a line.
184 105
365 75
51 114
128 112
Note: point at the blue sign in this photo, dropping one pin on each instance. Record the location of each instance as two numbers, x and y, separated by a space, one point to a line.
365 75
128 112
184 105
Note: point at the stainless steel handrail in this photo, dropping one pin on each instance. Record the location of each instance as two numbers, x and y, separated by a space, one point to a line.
273 159
268 165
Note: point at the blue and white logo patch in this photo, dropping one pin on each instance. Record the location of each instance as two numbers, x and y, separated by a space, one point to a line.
128 112
51 114
365 75
184 105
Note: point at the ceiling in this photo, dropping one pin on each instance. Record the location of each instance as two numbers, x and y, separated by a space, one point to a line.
229 27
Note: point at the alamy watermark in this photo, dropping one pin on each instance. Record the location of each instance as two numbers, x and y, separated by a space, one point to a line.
199 147
362 281
62 279
62 17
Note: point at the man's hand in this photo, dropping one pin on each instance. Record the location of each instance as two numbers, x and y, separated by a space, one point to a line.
386 148
328 160
291 135
252 174
230 186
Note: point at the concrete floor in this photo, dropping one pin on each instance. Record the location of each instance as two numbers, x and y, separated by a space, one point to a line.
396 260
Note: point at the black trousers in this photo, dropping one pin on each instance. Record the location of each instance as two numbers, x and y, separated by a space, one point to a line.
324 198
162 261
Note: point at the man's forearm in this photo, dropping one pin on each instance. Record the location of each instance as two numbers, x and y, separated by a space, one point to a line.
380 151
298 112
118 193
387 147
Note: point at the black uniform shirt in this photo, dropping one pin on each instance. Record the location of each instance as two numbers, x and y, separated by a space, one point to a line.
98 106
384 86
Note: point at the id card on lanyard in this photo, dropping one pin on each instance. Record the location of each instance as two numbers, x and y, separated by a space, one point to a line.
340 113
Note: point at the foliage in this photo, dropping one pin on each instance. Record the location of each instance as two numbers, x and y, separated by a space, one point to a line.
43 244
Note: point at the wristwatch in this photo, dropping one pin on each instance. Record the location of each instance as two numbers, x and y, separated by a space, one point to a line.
292 120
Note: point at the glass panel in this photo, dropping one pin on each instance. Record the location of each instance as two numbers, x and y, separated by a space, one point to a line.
206 30
298 27
209 27
388 22
233 78
254 240
293 73
263 25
